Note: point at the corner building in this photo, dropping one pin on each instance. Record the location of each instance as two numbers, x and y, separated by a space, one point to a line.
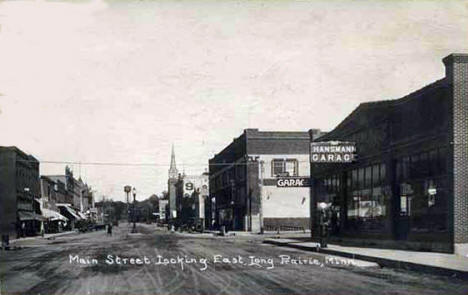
243 181
408 187
19 192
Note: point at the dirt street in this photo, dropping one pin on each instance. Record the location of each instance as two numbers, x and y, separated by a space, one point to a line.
158 262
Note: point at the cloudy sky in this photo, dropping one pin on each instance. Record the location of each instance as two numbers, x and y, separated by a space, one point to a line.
120 81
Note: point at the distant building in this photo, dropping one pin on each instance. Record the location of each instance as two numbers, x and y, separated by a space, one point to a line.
75 200
163 210
50 197
19 192
49 190
77 193
191 192
243 181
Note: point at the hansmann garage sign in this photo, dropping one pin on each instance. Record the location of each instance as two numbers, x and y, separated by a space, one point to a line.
293 182
332 152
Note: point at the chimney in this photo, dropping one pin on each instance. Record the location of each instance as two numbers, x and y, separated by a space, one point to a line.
456 68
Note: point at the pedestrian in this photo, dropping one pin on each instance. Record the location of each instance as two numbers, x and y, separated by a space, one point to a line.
42 230
109 229
18 230
23 229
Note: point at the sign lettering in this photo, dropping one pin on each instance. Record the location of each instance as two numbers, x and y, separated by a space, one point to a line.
292 182
332 152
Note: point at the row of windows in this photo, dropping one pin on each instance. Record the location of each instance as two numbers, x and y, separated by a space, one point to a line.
422 165
279 167
237 172
366 177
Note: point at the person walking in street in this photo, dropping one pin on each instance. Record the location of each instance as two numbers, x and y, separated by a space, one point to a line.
23 229
109 229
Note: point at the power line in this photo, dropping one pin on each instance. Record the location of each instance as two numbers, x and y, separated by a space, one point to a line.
142 164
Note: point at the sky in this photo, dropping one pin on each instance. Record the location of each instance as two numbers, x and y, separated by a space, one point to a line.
121 81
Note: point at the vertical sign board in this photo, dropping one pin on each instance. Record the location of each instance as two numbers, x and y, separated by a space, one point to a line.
332 152
162 209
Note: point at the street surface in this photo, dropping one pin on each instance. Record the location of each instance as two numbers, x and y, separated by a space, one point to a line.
54 267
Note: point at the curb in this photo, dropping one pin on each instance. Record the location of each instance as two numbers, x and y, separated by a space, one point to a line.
384 262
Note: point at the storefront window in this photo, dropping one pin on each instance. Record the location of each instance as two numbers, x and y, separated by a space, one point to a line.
368 177
367 204
428 206
361 177
383 174
355 179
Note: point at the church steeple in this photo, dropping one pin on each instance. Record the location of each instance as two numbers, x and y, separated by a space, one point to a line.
173 169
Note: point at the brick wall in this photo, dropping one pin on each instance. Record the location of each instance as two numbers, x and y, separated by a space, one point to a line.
457 77
286 223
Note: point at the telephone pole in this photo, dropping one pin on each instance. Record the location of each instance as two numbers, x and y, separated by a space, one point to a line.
262 170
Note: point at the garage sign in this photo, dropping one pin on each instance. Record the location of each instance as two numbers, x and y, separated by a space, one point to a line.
332 152
293 182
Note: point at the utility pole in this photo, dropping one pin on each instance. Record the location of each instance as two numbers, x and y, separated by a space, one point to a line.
81 199
127 190
262 170
134 217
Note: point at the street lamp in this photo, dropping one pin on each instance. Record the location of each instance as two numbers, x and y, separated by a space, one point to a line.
134 217
26 192
127 190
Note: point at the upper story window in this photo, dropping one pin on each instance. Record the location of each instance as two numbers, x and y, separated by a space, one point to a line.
284 167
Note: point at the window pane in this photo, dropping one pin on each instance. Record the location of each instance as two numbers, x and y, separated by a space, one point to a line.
355 178
278 167
361 177
443 161
375 175
291 167
383 173
368 176
433 162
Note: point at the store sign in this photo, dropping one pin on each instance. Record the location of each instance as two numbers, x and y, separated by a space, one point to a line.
189 186
293 182
332 152
432 191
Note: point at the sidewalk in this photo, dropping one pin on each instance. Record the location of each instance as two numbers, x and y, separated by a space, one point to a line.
429 262
46 236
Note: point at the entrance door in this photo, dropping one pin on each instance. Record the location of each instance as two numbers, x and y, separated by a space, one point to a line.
403 223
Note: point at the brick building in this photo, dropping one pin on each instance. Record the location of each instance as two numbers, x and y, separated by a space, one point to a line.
408 187
243 181
19 188
77 193
51 195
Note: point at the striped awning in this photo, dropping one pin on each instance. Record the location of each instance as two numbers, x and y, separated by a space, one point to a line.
28 215
53 215
70 211
81 215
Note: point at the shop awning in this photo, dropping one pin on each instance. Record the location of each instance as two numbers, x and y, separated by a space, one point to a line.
81 215
53 215
27 215
70 211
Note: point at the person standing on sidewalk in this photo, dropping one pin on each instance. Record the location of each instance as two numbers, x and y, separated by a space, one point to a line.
109 229
42 230
23 229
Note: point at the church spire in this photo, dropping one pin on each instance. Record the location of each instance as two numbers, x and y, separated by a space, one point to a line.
173 169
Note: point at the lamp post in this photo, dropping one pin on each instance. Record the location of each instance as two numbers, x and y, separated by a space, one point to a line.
26 192
134 217
262 170
323 225
127 190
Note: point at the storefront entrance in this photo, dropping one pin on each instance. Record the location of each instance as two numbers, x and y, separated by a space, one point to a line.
403 219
